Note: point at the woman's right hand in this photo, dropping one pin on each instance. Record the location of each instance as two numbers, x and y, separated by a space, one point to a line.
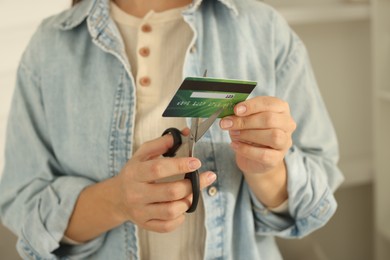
153 205
136 195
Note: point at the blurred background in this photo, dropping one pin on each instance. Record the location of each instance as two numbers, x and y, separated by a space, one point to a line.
349 46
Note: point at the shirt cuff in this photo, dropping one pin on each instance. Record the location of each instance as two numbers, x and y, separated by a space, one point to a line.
66 240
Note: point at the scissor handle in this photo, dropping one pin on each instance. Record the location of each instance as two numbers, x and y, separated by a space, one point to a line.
192 176
176 134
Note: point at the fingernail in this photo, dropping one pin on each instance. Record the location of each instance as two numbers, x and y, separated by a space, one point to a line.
211 177
240 110
226 123
194 164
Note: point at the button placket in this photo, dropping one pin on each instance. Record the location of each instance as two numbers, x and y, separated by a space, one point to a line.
144 51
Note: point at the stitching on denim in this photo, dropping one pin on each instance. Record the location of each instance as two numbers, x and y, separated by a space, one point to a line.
98 20
113 140
125 109
126 241
312 212
322 208
30 252
292 57
220 198
36 79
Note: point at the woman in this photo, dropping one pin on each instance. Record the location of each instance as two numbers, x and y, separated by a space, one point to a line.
84 176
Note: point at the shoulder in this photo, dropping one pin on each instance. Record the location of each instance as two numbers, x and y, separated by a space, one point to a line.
258 11
281 35
261 14
255 17
255 7
265 24
55 32
69 18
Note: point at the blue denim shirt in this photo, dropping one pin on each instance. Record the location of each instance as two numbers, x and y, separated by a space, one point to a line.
72 119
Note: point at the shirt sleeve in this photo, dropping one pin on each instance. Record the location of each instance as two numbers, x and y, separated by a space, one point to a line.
313 174
36 196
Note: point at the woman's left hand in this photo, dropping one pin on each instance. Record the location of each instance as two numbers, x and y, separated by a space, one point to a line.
261 132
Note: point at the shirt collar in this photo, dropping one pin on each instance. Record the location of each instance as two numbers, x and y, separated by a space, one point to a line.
76 15
228 3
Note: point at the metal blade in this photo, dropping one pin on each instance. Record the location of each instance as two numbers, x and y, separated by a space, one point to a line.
194 126
193 135
205 125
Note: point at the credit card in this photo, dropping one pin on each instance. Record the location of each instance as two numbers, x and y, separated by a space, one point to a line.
201 97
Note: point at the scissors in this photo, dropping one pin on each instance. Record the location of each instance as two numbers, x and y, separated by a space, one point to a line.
198 129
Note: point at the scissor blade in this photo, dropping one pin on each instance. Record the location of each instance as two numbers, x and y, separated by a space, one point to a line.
205 125
192 138
194 127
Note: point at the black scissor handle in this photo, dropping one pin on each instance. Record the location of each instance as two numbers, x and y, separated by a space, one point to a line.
192 176
176 134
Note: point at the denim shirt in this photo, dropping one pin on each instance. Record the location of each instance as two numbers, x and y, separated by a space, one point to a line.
72 120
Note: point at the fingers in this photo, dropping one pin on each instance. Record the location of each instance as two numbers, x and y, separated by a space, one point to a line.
266 157
174 199
162 217
154 148
206 179
261 130
162 226
178 190
157 169
261 112
168 210
151 204
273 138
261 104
264 120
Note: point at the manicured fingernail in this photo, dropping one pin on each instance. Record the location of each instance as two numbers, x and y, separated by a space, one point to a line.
240 110
194 164
226 123
234 145
211 177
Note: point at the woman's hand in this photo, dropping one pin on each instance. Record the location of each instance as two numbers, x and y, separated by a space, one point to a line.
261 131
153 205
136 195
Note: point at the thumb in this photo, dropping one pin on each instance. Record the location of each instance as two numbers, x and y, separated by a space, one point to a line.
154 148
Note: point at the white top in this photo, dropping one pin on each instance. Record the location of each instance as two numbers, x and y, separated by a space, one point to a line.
156 46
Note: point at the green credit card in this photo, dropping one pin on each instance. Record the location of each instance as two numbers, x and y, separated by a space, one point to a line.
201 97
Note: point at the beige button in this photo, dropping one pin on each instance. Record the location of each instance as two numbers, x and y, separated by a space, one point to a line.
144 51
144 81
212 191
146 28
